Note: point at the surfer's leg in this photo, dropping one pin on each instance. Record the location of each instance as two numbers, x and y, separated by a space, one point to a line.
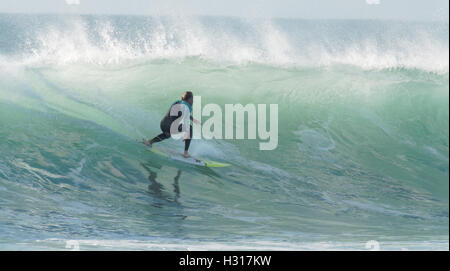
187 143
165 128
159 138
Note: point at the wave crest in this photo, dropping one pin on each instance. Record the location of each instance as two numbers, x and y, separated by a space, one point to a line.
115 39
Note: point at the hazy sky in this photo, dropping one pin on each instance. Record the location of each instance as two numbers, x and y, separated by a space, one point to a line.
422 10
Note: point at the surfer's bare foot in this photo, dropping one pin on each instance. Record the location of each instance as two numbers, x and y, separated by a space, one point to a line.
186 155
147 142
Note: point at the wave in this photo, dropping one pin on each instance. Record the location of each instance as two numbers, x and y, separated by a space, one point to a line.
363 132
100 40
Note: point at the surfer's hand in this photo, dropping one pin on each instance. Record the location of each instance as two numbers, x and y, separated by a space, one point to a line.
186 136
196 121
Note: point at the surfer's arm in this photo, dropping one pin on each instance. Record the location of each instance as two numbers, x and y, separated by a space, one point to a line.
196 121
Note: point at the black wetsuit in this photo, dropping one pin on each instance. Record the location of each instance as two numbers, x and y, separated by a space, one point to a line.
165 124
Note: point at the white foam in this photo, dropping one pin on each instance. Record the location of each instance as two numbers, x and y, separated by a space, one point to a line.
258 41
99 244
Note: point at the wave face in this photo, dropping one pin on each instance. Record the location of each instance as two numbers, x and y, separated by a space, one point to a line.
363 149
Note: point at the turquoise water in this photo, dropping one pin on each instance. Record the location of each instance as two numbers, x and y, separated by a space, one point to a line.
363 149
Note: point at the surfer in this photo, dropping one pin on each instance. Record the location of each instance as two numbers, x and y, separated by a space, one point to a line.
187 99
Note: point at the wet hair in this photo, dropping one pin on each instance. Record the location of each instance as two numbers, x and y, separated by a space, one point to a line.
187 95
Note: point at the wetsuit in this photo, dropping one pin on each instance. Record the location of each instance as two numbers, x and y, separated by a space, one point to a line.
167 121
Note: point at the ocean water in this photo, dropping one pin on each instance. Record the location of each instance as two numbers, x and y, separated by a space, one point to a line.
363 149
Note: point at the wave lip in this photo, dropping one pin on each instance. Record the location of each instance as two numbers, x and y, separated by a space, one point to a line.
114 39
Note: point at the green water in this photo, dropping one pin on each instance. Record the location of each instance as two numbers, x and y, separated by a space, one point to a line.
362 155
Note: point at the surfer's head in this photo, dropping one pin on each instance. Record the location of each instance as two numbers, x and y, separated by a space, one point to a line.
188 97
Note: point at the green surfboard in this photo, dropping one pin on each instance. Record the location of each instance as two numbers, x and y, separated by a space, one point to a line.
191 160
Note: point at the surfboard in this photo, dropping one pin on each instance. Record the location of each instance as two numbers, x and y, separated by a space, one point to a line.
174 155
